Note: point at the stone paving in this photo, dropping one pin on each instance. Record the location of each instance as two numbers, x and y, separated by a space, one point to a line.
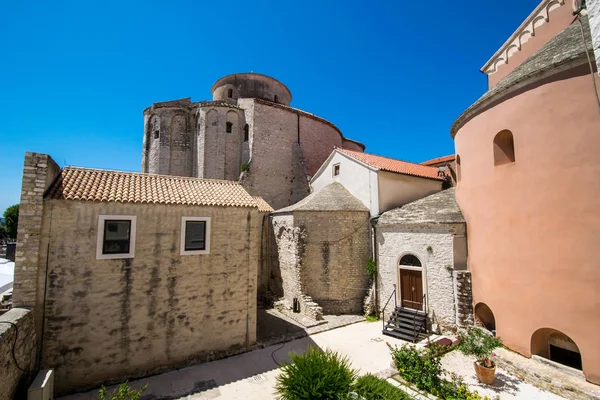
253 375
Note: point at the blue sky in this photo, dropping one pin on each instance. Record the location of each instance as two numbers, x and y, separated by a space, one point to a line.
76 75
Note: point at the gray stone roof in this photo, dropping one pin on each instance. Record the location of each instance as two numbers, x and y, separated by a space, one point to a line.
333 197
438 208
555 56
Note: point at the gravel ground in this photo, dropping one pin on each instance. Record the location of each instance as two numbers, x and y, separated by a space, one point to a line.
506 386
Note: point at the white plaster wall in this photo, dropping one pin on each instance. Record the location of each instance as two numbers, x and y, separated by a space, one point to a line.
593 7
396 240
396 190
358 179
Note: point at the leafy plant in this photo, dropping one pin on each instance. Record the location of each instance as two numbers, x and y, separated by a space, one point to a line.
370 387
11 220
430 249
245 167
123 392
476 342
424 369
371 267
315 374
371 318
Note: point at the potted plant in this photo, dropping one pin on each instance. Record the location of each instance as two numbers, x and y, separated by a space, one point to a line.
476 342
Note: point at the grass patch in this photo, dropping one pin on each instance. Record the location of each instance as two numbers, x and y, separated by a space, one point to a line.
371 318
370 387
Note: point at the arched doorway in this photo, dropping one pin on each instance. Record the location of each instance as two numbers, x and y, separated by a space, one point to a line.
410 282
556 346
485 317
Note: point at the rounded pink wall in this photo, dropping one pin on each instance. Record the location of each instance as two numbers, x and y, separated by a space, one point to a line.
534 225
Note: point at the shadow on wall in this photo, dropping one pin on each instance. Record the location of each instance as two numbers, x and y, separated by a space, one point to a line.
485 317
270 283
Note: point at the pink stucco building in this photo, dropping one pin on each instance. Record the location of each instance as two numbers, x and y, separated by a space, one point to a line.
529 188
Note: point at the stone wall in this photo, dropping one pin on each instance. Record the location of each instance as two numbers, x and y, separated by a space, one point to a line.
107 320
317 140
336 251
593 7
38 173
277 171
323 258
463 298
434 246
13 381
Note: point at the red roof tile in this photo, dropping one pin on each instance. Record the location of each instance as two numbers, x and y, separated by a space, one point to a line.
438 160
392 165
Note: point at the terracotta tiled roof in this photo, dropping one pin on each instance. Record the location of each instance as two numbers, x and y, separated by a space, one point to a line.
128 187
438 160
263 206
392 165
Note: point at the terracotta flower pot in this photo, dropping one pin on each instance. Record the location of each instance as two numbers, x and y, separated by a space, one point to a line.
484 374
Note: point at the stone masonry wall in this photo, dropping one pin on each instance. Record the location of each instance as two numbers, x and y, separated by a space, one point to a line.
317 140
277 171
13 381
38 173
334 260
433 245
463 298
108 320
593 7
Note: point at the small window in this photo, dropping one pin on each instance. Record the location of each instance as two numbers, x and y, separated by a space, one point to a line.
336 169
458 172
156 134
246 132
230 93
195 235
410 261
275 98
504 148
228 127
116 236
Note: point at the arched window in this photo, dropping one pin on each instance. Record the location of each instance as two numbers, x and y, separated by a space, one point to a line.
504 148
457 168
246 132
484 316
230 93
410 260
228 127
556 346
275 99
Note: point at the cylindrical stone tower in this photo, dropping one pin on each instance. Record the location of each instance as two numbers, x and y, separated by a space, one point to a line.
251 85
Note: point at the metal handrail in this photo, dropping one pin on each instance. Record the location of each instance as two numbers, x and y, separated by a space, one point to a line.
386 303
422 303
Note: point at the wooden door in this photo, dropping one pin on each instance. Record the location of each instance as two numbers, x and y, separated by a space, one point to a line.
411 289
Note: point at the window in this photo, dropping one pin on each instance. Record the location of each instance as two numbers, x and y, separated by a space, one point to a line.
228 127
116 236
410 260
230 93
195 235
336 169
458 172
156 134
504 148
246 132
275 98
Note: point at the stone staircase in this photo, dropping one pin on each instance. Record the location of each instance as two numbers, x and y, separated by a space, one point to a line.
407 324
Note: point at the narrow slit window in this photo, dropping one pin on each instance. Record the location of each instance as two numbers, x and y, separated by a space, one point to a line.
336 169
230 93
156 134
246 132
275 98
228 127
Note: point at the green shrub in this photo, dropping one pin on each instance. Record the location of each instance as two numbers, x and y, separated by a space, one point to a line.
315 374
423 368
123 392
371 318
370 387
476 342
245 167
371 268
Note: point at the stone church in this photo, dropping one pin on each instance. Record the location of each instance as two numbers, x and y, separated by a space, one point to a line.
247 132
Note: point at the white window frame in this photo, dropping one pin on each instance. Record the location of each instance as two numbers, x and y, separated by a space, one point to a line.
100 237
333 170
182 250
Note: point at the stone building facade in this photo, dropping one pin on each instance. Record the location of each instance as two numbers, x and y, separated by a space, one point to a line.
103 317
433 230
324 246
247 132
